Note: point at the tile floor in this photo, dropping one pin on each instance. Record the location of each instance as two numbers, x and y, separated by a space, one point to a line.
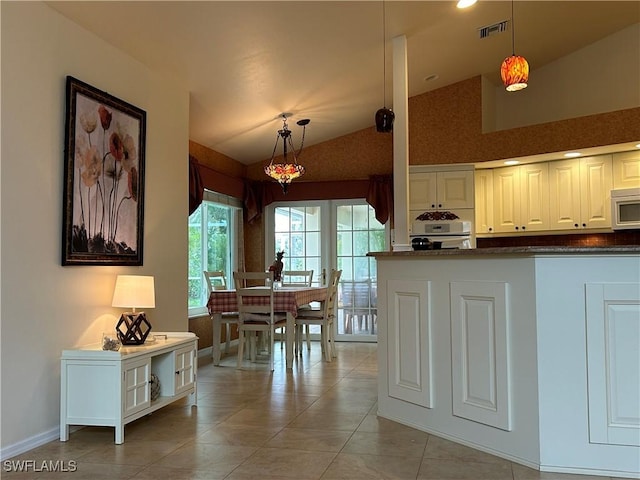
317 421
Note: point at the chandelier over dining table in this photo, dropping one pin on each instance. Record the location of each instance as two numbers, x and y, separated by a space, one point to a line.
286 171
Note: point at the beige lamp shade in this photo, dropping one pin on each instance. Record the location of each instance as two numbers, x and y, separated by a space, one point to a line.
134 291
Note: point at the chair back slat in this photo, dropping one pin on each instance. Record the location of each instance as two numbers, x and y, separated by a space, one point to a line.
297 278
216 280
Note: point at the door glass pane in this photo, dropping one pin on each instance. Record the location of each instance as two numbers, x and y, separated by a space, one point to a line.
297 232
358 232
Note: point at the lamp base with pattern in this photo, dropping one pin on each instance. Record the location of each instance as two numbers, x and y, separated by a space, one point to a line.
133 328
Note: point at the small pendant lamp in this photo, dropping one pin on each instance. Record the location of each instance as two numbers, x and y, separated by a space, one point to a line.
515 69
384 116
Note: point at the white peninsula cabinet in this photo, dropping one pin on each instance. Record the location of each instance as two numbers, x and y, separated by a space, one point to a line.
113 388
526 353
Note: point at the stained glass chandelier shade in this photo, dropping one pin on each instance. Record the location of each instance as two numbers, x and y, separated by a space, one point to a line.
285 172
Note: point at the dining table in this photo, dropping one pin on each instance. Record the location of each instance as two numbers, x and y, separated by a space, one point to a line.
285 299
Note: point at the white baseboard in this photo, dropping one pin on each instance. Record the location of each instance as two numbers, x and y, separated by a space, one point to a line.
29 443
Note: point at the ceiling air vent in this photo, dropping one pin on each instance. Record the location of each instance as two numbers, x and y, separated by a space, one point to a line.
494 29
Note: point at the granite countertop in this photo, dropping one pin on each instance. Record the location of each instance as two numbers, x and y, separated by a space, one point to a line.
550 250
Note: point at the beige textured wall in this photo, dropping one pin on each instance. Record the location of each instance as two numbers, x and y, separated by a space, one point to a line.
445 126
216 161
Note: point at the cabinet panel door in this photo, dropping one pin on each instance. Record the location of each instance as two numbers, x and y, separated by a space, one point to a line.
613 363
564 195
455 189
484 200
506 199
137 387
480 352
626 169
422 191
534 202
409 341
596 184
185 368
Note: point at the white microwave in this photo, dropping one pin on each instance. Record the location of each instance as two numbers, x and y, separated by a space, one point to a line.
625 208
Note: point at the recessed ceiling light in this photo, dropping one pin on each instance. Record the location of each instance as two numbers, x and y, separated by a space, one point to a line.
465 3
572 154
511 162
432 77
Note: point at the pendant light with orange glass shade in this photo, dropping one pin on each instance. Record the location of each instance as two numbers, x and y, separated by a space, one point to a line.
515 69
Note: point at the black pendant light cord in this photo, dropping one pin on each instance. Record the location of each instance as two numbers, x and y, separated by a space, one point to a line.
384 57
513 33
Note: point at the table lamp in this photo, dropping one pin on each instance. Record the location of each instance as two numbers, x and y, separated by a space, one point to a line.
133 291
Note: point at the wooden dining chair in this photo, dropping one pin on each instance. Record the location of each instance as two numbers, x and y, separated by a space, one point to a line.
216 280
254 317
299 278
323 317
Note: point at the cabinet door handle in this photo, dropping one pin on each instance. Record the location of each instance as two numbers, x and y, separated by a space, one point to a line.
433 205
584 225
491 229
523 227
516 227
177 372
439 205
576 225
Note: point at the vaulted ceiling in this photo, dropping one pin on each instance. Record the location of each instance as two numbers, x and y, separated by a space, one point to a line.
244 63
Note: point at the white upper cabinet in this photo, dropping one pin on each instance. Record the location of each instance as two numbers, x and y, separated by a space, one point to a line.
626 169
580 193
441 190
520 198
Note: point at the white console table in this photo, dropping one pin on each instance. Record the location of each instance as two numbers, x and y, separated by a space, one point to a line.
110 388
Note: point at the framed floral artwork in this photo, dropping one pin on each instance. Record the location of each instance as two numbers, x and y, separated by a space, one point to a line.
103 211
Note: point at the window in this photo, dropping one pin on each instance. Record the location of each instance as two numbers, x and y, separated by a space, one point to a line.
213 238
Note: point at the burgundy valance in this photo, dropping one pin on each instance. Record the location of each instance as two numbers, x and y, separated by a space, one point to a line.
196 187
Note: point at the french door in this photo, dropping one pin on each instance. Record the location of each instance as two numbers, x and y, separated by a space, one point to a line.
322 235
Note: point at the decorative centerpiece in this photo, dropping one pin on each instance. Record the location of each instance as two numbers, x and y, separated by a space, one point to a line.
277 266
110 341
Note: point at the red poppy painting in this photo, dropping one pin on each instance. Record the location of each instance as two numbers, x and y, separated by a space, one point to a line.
104 178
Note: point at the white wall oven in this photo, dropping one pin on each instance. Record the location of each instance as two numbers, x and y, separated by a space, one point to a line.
438 234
